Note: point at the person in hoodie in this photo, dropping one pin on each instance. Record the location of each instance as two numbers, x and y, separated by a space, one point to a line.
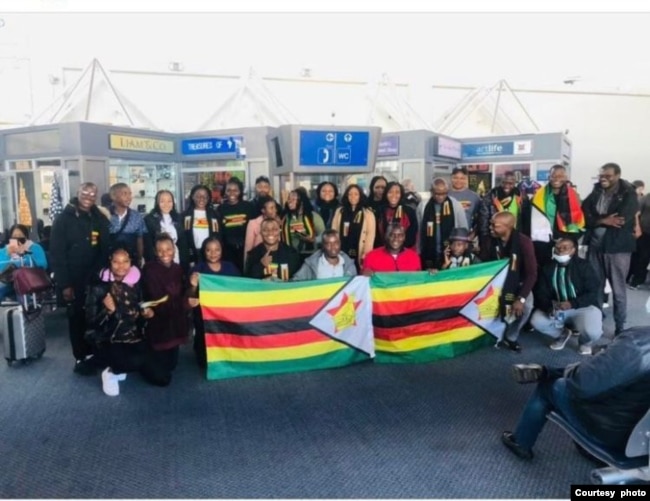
234 214
115 322
610 215
328 262
169 328
79 246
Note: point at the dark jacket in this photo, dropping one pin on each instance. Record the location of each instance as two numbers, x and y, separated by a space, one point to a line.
152 222
624 203
79 245
487 209
285 256
214 227
583 278
610 392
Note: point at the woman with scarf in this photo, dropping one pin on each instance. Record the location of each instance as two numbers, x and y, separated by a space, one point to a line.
394 210
301 226
327 201
164 218
200 220
376 193
356 224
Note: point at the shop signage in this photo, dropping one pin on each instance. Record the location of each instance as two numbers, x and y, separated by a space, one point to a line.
135 143
449 148
388 146
212 146
334 148
497 149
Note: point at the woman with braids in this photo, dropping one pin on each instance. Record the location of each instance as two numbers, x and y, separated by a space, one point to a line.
394 210
356 224
327 201
301 226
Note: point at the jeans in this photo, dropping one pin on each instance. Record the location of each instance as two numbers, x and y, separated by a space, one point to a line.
587 321
549 395
613 267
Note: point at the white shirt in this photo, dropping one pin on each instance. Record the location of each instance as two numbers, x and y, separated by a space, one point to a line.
327 270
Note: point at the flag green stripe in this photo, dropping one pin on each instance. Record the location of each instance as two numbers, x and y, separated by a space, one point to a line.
339 358
239 284
388 280
440 352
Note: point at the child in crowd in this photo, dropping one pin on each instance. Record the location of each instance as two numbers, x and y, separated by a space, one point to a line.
457 254
169 328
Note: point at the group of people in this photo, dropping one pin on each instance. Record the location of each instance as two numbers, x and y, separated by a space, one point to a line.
107 263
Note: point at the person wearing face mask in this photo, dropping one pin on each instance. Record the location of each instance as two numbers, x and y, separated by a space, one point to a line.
566 297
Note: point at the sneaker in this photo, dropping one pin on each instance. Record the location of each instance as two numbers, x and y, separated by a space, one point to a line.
585 349
561 342
85 367
527 373
508 439
605 305
110 383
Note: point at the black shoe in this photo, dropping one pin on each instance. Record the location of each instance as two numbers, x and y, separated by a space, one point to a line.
509 441
85 367
511 345
528 373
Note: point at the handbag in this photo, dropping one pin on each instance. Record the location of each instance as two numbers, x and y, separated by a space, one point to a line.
31 280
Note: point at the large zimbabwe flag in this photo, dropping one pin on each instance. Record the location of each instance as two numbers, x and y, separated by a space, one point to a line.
419 317
256 327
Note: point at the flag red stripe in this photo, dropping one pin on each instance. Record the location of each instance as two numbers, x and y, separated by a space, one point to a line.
262 313
389 308
287 340
421 329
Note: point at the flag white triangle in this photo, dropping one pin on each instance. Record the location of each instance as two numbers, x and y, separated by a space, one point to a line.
347 316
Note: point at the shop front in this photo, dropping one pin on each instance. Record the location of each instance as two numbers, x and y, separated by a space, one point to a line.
43 162
309 155
211 158
529 157
418 155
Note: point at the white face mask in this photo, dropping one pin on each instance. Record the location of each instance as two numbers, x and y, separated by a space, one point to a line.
561 259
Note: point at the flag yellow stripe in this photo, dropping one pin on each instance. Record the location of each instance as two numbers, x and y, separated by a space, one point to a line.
431 289
233 299
219 354
429 340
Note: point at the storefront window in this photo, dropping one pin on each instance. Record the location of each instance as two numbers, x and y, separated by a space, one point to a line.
212 173
145 180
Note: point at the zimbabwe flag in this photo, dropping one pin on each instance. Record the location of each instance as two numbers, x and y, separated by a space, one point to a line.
256 327
419 317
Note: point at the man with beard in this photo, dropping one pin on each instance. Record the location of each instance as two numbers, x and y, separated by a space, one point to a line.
505 197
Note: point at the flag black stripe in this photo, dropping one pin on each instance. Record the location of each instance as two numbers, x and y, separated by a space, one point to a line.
390 321
265 328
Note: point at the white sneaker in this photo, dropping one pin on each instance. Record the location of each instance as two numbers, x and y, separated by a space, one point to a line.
605 305
585 349
121 377
561 341
110 383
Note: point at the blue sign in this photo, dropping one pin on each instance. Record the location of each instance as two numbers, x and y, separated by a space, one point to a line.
542 175
388 146
212 146
488 149
334 148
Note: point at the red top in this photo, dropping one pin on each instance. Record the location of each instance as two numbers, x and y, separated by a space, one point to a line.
379 260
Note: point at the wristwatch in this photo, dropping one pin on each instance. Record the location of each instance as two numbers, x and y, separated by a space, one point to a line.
522 300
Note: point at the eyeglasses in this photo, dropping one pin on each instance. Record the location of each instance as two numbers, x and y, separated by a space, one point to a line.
89 194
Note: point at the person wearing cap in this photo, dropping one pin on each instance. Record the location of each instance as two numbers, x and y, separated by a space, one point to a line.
436 218
467 198
457 253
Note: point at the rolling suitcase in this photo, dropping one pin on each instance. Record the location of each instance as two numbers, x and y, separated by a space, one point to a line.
23 336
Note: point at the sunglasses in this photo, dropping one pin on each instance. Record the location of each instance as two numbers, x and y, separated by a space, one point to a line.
21 240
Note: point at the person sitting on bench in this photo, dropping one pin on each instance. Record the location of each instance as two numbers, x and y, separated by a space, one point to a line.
603 396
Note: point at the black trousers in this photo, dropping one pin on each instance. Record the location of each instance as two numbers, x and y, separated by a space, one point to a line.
155 367
640 261
77 325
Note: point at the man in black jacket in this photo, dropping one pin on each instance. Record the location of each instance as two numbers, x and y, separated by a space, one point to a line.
603 396
566 295
610 212
78 248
